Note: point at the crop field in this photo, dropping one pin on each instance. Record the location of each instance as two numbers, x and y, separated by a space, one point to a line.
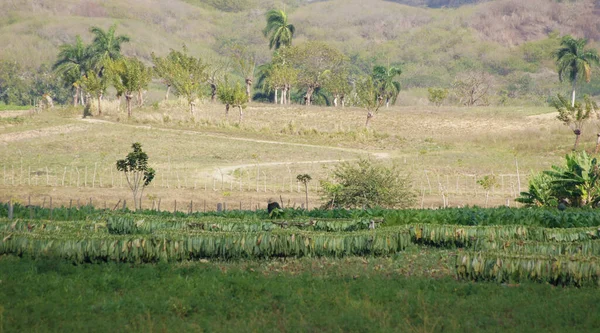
242 271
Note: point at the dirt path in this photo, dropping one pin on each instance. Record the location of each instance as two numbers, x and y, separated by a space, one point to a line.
224 172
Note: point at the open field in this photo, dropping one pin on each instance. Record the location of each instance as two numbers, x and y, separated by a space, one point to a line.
211 157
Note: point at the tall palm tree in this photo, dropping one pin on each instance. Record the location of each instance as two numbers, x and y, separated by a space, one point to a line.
278 30
383 77
575 62
71 65
105 45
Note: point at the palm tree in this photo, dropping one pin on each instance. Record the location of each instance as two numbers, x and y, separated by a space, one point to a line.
105 45
389 89
575 62
279 32
71 65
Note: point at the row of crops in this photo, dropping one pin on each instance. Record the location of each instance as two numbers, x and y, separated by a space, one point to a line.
482 253
471 216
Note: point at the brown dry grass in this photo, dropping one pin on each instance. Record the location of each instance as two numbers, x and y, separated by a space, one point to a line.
209 156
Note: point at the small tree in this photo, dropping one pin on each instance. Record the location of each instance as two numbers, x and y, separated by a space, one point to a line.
488 183
368 97
574 116
472 88
305 179
137 172
95 85
437 95
365 185
129 75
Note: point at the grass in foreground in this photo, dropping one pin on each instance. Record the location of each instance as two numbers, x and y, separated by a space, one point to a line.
294 295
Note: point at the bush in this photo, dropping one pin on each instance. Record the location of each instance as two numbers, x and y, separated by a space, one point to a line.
367 185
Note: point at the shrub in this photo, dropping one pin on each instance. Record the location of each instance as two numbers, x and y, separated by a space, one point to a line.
366 185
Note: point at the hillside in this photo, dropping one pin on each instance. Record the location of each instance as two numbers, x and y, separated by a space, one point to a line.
510 39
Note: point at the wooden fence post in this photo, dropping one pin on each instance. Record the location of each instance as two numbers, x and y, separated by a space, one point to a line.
10 209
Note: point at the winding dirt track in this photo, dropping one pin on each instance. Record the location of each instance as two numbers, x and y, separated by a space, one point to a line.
224 172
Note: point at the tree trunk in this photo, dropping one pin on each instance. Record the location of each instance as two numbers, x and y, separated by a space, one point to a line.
335 100
168 91
369 116
128 98
597 145
573 97
227 109
308 96
248 89
99 105
577 135
140 98
193 108
241 113
289 94
306 193
276 92
213 92
387 103
76 96
343 101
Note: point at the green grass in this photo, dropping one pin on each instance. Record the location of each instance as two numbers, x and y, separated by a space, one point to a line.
4 107
367 295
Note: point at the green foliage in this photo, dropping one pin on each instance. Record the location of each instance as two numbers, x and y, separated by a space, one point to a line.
278 30
128 75
106 46
95 85
137 172
540 192
437 95
383 78
577 183
575 114
365 184
575 62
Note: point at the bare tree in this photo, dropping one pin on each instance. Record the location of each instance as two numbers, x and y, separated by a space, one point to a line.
472 88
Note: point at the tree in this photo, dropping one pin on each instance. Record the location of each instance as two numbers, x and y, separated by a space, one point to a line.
578 181
437 95
165 68
575 62
137 172
216 76
367 185
383 78
305 179
540 192
336 82
488 182
244 61
311 61
368 94
232 96
278 30
129 75
71 65
574 116
472 88
186 73
105 46
95 85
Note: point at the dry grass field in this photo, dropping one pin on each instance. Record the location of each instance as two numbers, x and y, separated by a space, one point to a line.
210 157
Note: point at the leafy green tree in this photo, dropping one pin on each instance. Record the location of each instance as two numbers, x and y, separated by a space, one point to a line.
129 75
366 185
368 94
575 62
574 116
13 85
488 182
187 74
312 60
305 179
232 96
164 68
437 95
71 65
95 85
336 82
278 30
105 46
137 172
383 77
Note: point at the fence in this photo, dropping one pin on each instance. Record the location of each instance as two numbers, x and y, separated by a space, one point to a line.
252 179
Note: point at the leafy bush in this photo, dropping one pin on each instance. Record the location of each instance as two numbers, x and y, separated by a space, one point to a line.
364 184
